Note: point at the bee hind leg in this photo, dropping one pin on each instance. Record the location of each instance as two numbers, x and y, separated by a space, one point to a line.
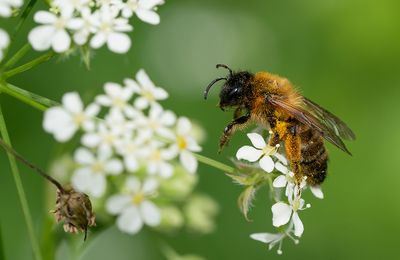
231 128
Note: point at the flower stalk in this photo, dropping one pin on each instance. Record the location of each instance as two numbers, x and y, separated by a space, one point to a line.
18 55
20 191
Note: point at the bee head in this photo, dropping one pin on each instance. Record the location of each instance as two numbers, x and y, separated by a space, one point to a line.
234 89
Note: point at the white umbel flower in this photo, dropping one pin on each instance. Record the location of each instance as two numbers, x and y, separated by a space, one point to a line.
53 31
148 92
260 152
184 145
6 7
90 177
110 30
157 157
117 98
134 208
63 121
144 9
4 42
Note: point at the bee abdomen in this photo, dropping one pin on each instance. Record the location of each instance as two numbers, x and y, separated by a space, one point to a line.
314 157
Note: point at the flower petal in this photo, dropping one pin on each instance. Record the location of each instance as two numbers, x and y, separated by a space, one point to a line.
133 184
72 102
188 161
257 140
267 164
61 41
41 37
148 16
116 204
118 42
283 169
84 156
130 221
44 17
97 185
280 213
280 181
144 80
183 126
114 167
150 213
248 153
150 185
317 192
298 225
266 237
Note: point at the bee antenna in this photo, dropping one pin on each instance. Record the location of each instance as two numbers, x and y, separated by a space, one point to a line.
210 85
226 67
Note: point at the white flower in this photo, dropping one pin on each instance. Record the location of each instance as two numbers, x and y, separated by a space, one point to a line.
156 158
63 121
131 149
117 98
144 9
87 27
109 30
184 144
6 7
285 180
73 4
53 33
148 92
158 122
135 208
90 177
104 137
261 151
282 213
4 42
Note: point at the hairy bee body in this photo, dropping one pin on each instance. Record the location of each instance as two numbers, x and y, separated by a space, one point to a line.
297 122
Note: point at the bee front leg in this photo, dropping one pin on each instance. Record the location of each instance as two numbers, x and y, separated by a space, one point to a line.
231 128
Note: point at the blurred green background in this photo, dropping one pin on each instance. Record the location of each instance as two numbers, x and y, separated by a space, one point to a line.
343 54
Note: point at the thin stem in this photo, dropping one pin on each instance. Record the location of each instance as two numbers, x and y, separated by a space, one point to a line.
29 98
31 165
216 164
24 15
29 65
20 191
18 55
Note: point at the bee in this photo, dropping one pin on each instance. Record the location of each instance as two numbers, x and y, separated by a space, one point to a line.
300 124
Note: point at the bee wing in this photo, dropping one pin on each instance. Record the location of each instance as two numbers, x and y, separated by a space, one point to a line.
330 120
304 116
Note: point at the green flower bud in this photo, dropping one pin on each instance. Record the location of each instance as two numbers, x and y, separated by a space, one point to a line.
171 219
180 185
199 212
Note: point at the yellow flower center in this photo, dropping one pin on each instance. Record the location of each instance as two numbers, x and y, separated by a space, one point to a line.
181 141
79 118
118 102
138 198
148 95
156 155
97 167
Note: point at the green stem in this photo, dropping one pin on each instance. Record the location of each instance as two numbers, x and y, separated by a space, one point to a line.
20 190
29 65
18 55
27 97
24 15
216 164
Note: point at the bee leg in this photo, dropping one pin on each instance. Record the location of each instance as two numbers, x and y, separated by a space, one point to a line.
274 139
231 128
293 152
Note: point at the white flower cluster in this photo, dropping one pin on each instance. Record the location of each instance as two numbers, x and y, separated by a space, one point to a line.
285 210
90 22
7 6
136 139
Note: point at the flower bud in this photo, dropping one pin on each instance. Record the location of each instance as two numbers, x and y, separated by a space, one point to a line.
75 209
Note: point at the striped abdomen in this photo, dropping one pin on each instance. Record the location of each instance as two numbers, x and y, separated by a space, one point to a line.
314 157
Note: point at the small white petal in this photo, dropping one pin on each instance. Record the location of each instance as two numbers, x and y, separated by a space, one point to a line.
183 126
72 102
133 184
129 221
115 204
257 140
267 164
44 17
118 42
84 156
298 225
248 153
91 140
283 169
165 170
148 16
114 167
131 163
65 133
92 110
160 93
317 192
265 237
98 40
40 37
280 181
188 161
150 213
61 41
281 158
149 186
150 4
54 117
81 179
143 79
280 213
141 103
97 185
